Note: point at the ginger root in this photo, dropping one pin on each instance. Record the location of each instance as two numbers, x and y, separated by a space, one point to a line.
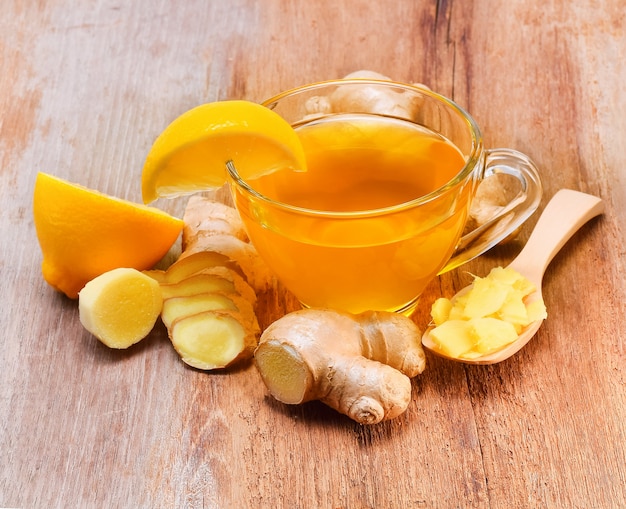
202 234
492 195
209 292
360 365
204 217
367 98
120 307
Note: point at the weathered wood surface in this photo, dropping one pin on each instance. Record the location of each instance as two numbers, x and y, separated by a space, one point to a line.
86 86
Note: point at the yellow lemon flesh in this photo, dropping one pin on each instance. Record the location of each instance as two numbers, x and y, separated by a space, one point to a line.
190 155
84 233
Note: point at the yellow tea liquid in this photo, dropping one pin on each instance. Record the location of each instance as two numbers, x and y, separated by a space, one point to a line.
346 258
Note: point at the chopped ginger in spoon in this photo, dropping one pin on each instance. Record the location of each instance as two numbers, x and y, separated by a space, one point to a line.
488 317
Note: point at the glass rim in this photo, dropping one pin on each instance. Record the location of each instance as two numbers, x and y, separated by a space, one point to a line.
469 166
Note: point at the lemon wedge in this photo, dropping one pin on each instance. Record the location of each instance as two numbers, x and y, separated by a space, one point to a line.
83 233
190 155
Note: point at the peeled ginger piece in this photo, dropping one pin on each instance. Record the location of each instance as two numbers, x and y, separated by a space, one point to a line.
488 317
453 337
120 307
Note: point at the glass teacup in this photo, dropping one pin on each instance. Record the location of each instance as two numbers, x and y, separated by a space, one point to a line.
392 170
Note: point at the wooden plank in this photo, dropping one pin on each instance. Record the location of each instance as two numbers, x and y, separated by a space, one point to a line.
85 88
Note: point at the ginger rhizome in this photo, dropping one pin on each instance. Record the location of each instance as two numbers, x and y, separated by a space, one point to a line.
360 365
120 307
367 98
211 226
209 292
493 195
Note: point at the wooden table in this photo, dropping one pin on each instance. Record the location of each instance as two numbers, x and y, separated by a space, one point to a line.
85 88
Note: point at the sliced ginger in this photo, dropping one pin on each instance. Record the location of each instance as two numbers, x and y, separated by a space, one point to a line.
360 365
176 307
120 307
211 339
198 312
238 282
189 265
209 294
157 274
197 283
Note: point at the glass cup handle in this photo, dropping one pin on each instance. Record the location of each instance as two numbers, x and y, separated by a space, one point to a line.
511 216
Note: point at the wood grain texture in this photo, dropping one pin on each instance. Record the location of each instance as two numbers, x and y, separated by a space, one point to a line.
85 88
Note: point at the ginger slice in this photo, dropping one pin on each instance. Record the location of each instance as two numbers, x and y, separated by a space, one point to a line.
185 305
198 283
241 285
214 279
243 254
191 264
211 340
209 262
245 312
179 307
157 274
120 307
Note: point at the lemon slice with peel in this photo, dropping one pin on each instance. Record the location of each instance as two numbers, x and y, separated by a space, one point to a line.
190 155
84 233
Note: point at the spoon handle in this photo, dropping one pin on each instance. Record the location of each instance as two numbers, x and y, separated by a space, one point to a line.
563 216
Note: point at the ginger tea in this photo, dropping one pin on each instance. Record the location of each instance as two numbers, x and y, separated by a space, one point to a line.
366 238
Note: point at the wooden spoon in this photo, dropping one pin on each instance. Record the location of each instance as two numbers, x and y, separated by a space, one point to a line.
566 212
